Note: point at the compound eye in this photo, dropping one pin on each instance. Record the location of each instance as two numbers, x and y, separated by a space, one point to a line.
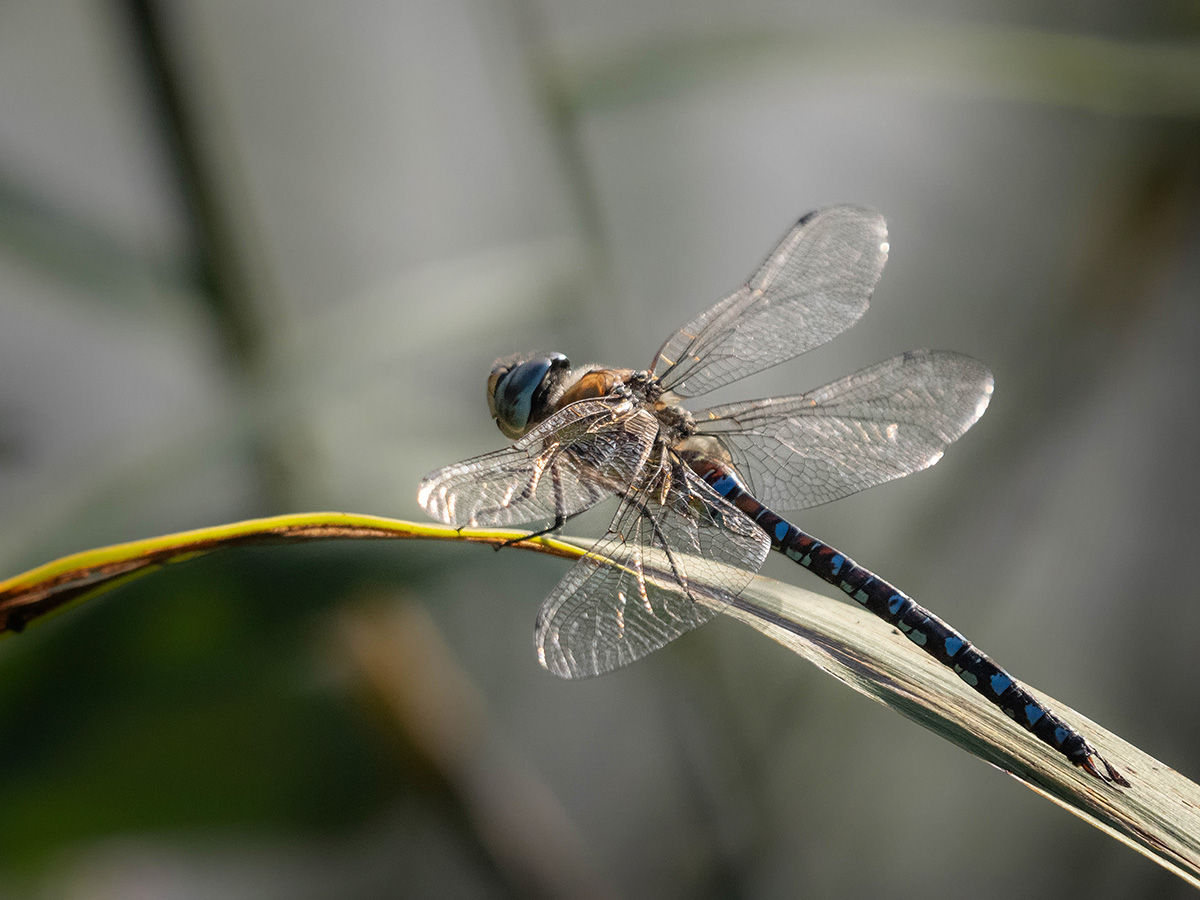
499 375
517 391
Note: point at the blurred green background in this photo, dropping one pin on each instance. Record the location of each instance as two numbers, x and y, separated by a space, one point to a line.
259 257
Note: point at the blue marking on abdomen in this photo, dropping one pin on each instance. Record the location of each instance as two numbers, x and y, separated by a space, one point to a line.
869 590
724 485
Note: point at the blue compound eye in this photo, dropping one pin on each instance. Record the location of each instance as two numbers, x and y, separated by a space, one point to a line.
518 391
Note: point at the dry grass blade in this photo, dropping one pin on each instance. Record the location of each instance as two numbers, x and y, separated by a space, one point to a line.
1158 815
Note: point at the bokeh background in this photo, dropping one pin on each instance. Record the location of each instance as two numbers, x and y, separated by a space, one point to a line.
259 258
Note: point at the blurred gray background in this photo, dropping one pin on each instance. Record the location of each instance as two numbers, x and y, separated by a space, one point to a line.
259 257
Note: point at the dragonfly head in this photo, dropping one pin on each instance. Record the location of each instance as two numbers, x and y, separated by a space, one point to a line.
520 391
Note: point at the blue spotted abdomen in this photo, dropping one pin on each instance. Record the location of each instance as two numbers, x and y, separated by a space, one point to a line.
918 624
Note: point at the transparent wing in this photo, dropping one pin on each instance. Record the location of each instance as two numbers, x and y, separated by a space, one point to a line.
815 285
880 423
582 454
653 576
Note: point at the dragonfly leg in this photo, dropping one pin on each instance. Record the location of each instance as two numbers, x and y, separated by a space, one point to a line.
559 521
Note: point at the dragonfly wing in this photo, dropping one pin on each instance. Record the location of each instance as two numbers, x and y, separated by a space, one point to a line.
880 423
582 454
813 286
662 569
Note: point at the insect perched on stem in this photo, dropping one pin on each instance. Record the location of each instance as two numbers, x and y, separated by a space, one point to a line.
698 491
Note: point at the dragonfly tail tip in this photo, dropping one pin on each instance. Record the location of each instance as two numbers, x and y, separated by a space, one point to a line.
1109 775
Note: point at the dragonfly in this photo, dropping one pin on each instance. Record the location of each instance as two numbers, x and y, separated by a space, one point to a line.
698 491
